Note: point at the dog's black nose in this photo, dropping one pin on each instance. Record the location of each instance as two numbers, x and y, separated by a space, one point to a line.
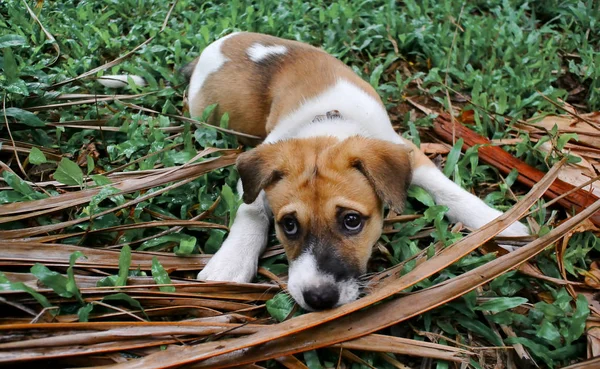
321 298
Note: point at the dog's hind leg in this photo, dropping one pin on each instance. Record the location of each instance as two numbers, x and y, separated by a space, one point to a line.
237 259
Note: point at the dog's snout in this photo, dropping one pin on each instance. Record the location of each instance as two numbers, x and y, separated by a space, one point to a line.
321 298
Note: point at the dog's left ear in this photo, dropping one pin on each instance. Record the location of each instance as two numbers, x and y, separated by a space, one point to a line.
257 169
387 166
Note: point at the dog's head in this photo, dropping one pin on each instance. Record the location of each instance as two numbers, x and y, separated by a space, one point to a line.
327 199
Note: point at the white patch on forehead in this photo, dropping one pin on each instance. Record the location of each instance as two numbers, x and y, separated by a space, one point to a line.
304 274
211 60
258 52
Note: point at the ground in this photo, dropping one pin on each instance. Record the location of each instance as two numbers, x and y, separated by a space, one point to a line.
106 194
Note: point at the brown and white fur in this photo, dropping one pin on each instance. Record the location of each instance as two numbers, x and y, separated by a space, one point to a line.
318 178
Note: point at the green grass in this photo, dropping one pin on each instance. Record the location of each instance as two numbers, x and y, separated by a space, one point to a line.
501 56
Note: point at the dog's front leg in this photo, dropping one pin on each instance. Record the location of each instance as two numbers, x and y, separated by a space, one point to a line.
237 259
462 206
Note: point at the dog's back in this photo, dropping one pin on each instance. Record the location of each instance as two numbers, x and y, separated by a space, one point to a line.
259 79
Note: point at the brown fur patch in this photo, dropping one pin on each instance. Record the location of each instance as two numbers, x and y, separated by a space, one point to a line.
256 95
318 180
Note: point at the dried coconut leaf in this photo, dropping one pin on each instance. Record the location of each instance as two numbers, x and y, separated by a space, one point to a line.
291 362
404 346
87 284
25 253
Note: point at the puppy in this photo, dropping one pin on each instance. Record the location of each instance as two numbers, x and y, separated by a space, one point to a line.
329 163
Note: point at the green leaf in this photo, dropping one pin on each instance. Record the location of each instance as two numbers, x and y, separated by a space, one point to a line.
108 281
376 76
177 237
549 332
231 201
12 40
124 264
71 283
104 193
24 116
312 360
580 315
90 164
280 306
11 71
224 123
446 326
36 156
6 285
186 246
61 285
564 138
536 349
474 364
128 299
18 87
54 280
481 329
17 183
550 311
207 112
499 304
453 157
84 312
100 180
214 242
160 276
421 195
68 173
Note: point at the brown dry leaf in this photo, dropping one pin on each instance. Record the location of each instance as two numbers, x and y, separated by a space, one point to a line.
593 338
87 150
27 253
588 364
94 333
404 346
467 116
576 173
588 134
586 148
592 276
291 362
435 148
546 297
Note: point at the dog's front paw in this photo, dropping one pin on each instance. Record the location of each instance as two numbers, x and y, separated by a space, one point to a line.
226 267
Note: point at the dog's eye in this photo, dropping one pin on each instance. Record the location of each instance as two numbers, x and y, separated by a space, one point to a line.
352 222
290 226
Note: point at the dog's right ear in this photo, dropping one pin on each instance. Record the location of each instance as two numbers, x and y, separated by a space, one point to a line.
258 170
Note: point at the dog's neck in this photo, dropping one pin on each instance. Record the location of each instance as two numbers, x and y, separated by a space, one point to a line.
323 126
358 114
